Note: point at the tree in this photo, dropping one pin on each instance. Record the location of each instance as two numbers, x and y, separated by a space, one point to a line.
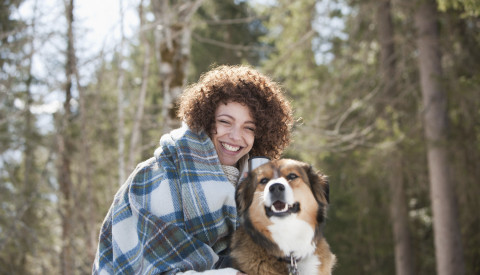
399 208
135 138
448 244
172 51
65 150
120 103
226 32
470 7
460 80
20 222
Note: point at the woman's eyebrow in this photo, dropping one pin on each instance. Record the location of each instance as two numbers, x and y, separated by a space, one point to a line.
227 115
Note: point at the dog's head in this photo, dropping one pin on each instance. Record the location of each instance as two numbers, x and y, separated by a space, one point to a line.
282 188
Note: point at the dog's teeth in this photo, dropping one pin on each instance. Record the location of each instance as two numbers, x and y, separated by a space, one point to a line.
285 209
275 209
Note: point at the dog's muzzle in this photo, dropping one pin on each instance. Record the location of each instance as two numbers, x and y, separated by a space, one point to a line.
277 195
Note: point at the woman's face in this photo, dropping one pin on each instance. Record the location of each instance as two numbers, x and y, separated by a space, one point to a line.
235 132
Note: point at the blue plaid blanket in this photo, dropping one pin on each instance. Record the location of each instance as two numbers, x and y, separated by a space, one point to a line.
174 213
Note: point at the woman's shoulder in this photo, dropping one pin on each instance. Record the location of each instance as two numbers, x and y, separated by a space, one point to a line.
182 140
146 170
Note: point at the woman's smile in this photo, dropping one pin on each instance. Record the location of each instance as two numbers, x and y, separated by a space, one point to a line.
231 148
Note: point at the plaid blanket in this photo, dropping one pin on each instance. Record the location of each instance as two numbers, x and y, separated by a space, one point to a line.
174 213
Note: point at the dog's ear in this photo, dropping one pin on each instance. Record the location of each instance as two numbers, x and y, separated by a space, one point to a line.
319 184
244 193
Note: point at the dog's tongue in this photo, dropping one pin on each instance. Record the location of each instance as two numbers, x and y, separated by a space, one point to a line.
279 205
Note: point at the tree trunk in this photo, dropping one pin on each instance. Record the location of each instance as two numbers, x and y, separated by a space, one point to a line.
136 134
387 47
64 151
29 189
87 167
399 215
120 99
172 48
398 205
448 246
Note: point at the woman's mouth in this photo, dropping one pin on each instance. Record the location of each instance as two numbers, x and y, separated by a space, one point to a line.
231 148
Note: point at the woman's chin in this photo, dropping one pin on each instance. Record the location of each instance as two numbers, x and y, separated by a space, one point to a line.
229 160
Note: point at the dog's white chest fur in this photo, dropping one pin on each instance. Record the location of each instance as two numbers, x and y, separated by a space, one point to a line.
293 235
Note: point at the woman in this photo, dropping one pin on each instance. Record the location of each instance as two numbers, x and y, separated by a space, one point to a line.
176 211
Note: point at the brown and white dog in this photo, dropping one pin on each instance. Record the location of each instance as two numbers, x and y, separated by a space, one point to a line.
282 207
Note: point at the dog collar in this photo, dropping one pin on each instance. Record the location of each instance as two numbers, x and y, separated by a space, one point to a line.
292 261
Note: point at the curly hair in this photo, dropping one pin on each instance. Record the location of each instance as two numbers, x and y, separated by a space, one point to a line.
265 99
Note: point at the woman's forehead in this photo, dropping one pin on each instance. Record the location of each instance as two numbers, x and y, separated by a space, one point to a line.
235 110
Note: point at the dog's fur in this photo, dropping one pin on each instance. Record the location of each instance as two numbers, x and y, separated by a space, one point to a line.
282 207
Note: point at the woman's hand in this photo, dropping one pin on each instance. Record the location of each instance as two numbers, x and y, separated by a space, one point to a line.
223 271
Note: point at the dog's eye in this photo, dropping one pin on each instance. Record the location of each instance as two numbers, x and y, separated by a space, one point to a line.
264 181
292 176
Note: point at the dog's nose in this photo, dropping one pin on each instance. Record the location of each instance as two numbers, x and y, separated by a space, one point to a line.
276 188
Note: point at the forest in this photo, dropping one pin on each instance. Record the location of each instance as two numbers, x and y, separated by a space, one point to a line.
386 95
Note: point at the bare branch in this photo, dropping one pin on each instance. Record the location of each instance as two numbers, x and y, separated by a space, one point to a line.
192 8
228 45
235 20
293 47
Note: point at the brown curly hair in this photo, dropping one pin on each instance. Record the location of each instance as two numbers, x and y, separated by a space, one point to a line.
268 106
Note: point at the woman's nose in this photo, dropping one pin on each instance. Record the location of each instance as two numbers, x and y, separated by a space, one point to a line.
235 133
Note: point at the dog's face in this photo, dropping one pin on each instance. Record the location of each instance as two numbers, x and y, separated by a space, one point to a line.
280 189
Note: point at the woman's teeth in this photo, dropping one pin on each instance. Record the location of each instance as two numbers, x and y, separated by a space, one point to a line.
230 147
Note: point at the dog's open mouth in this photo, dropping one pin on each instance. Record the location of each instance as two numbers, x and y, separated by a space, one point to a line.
280 209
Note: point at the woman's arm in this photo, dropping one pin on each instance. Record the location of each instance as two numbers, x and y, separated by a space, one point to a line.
135 240
223 271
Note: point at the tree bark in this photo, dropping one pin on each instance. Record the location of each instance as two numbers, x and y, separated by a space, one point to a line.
87 167
29 189
64 151
387 46
398 204
172 49
399 215
120 99
448 246
136 134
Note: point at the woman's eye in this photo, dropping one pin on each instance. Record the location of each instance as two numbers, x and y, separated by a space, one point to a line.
291 176
264 181
224 122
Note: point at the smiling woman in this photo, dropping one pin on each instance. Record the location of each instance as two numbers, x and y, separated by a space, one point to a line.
234 133
270 111
177 212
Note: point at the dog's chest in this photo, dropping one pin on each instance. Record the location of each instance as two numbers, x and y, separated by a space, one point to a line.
308 265
293 235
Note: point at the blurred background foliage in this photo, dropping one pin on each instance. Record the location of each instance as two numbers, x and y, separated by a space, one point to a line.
73 124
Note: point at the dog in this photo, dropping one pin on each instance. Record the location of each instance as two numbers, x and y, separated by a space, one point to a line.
282 207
